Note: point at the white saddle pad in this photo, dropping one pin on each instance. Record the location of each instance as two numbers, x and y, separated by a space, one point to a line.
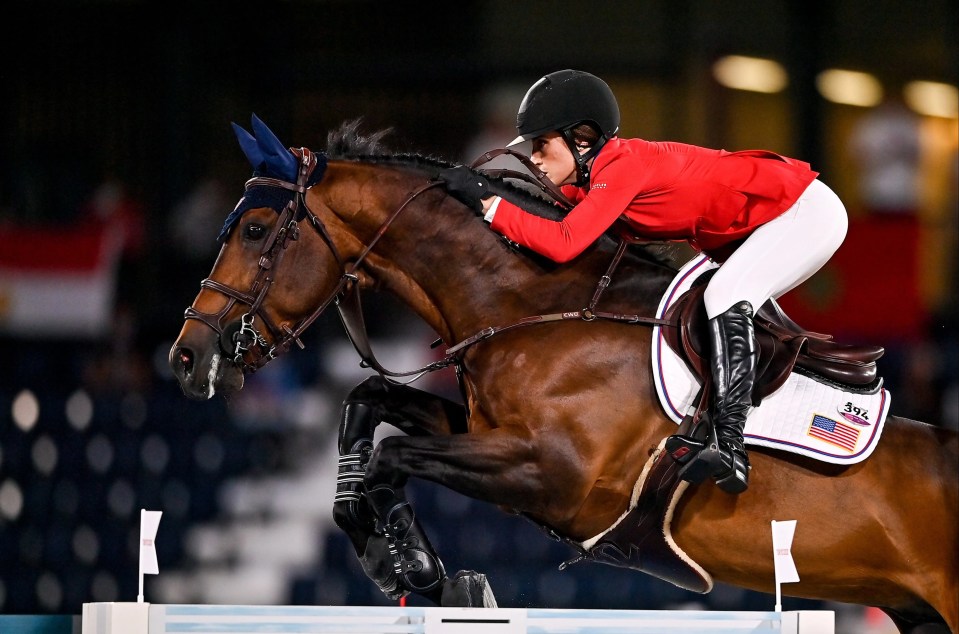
804 416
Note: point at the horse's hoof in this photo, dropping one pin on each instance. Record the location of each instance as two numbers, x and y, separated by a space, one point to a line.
467 589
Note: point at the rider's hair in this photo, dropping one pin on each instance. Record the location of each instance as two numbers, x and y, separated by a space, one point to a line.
585 133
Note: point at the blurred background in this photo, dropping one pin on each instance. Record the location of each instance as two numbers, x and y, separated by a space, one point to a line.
118 166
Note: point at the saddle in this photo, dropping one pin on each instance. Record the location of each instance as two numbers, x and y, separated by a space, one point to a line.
784 347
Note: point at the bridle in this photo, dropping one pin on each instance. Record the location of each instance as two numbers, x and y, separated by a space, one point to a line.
248 339
286 230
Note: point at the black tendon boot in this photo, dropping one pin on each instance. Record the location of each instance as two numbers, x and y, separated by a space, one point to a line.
733 365
401 542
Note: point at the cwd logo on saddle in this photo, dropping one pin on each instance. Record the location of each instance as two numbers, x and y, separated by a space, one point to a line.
797 415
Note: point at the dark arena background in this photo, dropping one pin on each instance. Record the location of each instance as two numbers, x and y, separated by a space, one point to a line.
118 166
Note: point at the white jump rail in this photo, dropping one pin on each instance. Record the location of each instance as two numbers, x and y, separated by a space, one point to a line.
146 618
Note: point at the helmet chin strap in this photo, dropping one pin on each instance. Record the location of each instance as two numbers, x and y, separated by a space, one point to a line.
582 160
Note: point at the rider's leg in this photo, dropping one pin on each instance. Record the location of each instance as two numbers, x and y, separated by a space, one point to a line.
733 367
732 361
774 259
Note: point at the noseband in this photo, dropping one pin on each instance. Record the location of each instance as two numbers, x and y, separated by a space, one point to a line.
248 339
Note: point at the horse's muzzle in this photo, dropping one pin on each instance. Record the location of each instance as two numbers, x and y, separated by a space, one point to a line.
202 374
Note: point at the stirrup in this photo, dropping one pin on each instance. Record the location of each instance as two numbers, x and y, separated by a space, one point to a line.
734 480
699 459
703 459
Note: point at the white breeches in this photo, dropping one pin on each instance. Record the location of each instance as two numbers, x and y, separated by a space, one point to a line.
781 254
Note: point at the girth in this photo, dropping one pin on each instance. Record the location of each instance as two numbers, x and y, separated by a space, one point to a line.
784 346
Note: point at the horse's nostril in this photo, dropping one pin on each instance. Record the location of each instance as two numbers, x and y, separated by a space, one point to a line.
186 359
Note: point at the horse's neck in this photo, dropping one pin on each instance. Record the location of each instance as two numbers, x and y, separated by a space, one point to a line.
460 277
468 280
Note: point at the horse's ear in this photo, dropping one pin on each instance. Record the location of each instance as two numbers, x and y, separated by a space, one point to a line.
249 146
278 157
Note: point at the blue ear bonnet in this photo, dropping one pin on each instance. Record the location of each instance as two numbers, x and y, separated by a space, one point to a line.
269 157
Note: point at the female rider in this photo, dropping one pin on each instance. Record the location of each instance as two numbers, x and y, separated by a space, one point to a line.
765 218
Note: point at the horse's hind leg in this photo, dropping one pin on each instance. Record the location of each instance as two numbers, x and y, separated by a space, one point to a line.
390 544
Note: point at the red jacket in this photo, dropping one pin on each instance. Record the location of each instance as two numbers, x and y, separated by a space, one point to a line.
665 191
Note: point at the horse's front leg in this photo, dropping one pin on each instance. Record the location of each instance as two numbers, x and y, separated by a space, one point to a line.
389 542
371 402
495 466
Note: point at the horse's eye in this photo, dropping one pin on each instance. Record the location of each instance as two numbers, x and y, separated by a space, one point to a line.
254 231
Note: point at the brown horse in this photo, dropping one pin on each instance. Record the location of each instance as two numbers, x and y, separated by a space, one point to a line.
560 415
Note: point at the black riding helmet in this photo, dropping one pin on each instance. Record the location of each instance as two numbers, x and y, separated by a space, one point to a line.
562 100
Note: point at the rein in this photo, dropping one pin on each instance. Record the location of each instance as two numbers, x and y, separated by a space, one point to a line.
346 296
540 179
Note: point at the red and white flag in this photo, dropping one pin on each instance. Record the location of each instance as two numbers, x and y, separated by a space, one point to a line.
149 523
57 281
785 567
782 551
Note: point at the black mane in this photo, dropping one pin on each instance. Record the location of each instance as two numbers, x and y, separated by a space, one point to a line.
350 144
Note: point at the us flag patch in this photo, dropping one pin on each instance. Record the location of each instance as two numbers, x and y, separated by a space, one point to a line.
834 432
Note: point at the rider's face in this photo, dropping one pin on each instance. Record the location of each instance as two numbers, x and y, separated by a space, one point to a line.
551 154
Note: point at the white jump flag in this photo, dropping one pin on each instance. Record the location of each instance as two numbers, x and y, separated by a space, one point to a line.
149 523
782 556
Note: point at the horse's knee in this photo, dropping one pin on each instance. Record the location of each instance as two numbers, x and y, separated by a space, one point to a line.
371 388
383 467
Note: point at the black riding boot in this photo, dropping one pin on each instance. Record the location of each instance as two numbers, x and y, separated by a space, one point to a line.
733 359
733 365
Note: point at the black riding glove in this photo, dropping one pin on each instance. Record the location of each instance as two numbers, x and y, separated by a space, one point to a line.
466 186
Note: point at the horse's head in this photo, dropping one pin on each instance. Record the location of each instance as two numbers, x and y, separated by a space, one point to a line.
248 310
